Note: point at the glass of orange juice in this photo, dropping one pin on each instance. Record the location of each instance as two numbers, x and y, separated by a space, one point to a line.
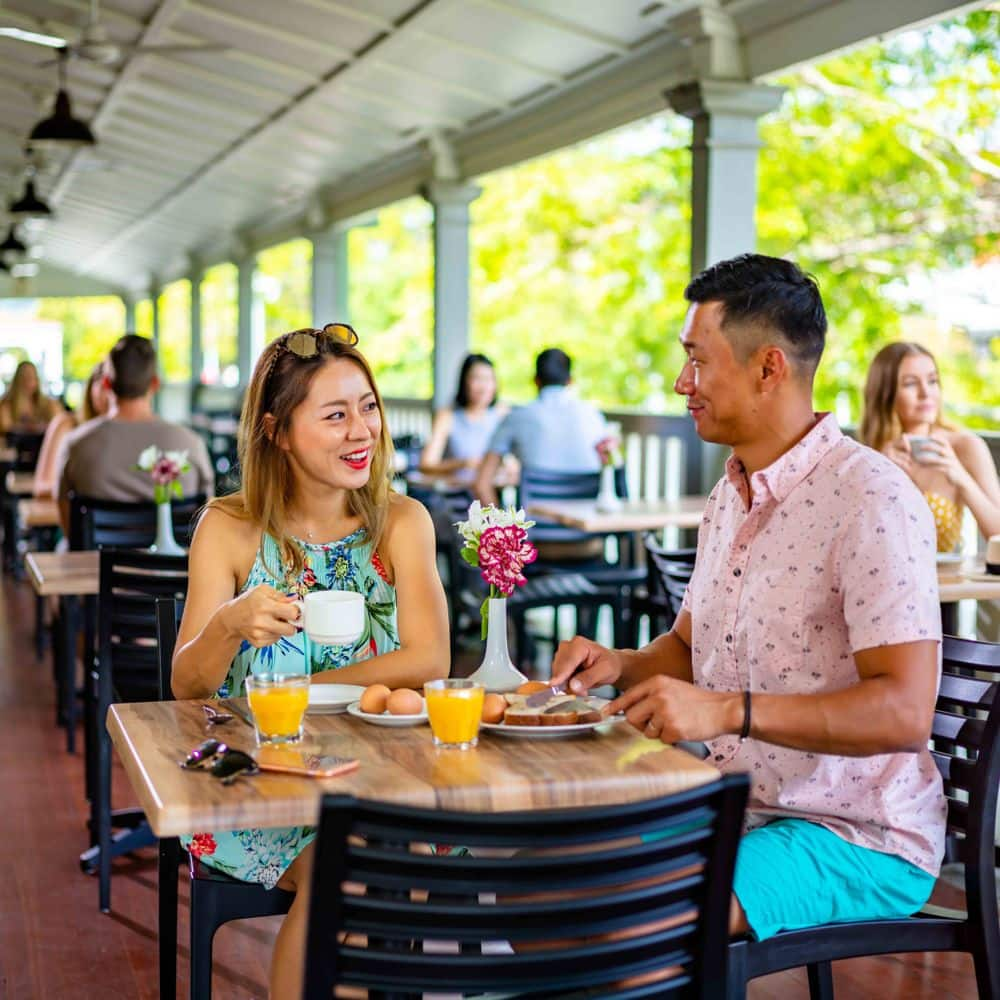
278 702
454 709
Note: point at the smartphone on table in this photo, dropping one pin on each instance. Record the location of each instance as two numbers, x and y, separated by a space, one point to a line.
302 761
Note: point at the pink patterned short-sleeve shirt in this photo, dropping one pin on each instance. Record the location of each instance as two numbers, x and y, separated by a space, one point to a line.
834 554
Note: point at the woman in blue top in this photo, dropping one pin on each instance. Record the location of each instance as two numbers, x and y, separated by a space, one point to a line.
461 433
316 512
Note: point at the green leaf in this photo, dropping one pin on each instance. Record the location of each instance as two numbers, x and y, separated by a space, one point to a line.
484 616
471 556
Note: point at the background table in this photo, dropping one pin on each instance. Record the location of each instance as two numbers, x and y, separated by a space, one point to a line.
38 513
634 515
62 574
609 766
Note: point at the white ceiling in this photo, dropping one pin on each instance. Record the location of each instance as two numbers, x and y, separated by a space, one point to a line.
320 110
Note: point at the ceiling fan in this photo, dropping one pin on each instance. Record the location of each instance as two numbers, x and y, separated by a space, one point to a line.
95 44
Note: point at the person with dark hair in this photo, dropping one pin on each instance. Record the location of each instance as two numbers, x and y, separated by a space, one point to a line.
461 433
98 459
806 651
557 432
951 466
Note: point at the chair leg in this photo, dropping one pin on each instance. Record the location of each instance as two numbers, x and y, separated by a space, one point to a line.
103 798
820 980
169 859
736 971
204 923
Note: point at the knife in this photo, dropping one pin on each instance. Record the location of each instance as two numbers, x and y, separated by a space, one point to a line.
237 711
541 697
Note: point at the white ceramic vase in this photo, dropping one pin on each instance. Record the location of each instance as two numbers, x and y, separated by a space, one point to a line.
607 496
165 543
497 672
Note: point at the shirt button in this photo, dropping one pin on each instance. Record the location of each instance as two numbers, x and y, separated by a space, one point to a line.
729 637
737 572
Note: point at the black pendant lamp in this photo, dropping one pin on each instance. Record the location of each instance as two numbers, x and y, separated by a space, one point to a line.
11 246
29 205
61 129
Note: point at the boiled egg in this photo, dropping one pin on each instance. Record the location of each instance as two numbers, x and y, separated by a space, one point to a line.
494 705
404 701
373 699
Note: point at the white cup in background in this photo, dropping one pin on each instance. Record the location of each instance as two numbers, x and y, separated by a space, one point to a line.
993 555
921 447
333 617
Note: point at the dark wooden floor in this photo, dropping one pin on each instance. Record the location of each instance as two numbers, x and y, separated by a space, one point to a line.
56 945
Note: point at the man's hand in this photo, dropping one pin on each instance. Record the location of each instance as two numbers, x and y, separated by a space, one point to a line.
670 710
584 664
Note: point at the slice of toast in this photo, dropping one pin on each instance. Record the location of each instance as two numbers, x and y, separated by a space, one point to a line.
560 710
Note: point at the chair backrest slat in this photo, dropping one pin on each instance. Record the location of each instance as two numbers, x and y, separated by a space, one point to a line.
96 523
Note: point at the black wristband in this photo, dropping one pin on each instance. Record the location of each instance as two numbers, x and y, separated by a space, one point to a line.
745 731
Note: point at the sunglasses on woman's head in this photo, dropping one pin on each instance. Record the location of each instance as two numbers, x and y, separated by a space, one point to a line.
305 343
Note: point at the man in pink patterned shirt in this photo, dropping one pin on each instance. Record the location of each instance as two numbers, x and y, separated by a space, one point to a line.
806 652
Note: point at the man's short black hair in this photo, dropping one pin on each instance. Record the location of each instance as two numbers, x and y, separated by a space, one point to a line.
132 366
770 294
552 367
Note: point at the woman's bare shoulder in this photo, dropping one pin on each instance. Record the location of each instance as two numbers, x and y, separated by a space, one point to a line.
224 531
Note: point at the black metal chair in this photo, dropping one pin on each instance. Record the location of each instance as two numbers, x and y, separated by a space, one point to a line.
677 926
26 446
125 669
965 744
215 898
668 572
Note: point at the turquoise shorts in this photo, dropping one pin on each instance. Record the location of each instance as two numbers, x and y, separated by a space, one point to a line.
793 873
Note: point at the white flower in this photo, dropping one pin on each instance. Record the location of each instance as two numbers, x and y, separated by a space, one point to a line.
148 457
480 518
179 458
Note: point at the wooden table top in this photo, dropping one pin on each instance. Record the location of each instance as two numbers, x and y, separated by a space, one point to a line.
38 513
20 483
635 515
612 765
64 573
967 581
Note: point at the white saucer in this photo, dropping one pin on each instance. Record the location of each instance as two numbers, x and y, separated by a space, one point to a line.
982 577
949 558
387 718
329 699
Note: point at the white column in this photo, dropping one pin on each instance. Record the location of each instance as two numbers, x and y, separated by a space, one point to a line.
330 277
724 163
129 304
154 303
246 349
197 360
451 200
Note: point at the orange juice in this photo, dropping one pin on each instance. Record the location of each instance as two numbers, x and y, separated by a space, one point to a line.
454 712
278 704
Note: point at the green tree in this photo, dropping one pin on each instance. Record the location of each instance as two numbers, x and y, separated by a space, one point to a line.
284 274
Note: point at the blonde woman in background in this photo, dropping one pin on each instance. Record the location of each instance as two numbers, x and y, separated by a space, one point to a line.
951 466
25 407
94 404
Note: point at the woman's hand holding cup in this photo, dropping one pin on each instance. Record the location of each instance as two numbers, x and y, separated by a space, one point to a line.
261 616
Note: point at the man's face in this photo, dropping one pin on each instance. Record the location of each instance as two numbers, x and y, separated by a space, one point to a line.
718 387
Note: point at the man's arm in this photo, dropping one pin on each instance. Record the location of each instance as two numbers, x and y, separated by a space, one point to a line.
889 709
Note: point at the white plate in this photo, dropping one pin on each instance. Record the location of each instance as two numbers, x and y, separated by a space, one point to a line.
328 699
949 558
982 577
547 732
386 718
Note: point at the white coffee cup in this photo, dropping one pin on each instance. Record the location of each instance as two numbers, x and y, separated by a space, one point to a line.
333 617
922 447
993 555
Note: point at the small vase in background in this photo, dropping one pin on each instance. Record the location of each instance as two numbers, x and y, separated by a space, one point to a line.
607 497
497 673
165 543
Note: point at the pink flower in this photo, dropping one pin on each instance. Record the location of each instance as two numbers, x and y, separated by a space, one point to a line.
165 471
503 554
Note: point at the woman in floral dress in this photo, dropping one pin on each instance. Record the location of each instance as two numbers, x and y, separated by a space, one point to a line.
316 512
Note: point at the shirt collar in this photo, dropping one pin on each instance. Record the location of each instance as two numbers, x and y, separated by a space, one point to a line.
789 469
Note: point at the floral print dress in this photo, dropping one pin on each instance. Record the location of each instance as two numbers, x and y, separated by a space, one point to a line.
348 564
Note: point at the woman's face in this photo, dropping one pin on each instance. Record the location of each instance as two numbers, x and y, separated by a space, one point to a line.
98 395
480 385
27 376
335 429
918 391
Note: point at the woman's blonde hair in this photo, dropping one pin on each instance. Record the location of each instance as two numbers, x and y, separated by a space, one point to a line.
41 406
879 423
280 382
87 411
